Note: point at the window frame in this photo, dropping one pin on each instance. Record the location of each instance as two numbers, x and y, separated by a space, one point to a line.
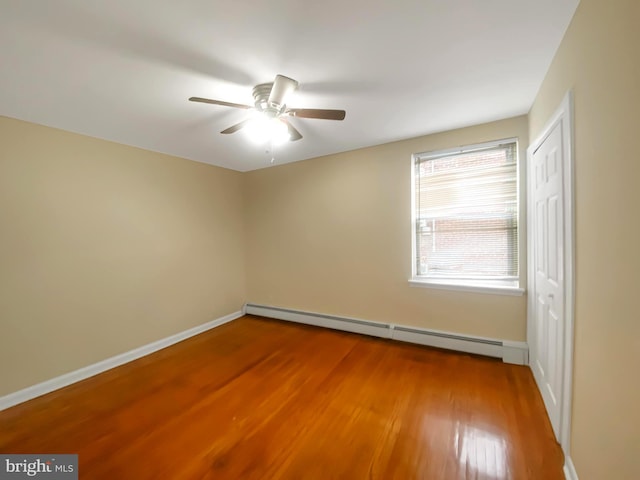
490 286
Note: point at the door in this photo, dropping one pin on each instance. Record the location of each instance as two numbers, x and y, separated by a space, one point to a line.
548 295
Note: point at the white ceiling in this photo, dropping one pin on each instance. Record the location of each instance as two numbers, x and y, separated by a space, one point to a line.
123 70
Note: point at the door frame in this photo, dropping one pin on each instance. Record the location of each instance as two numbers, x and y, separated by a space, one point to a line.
563 116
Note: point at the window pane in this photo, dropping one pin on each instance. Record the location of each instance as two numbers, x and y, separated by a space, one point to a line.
466 214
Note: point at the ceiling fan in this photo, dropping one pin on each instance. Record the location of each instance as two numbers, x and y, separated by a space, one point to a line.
272 112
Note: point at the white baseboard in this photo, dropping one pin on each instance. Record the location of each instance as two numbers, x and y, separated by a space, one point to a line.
569 469
89 371
508 351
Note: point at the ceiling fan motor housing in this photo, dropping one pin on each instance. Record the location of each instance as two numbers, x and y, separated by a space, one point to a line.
261 99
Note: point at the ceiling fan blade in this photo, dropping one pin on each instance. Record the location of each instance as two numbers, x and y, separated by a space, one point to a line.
218 102
282 87
294 134
235 128
317 113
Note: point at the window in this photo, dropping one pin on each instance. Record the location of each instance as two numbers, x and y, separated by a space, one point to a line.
465 218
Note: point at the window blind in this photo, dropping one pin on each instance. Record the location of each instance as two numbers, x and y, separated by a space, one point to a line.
466 213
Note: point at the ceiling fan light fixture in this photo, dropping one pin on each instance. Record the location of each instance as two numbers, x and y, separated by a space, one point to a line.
263 128
270 116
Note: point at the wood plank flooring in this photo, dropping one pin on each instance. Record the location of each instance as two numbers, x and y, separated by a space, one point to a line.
263 399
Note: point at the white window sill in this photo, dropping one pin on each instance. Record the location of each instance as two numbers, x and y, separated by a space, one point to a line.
467 286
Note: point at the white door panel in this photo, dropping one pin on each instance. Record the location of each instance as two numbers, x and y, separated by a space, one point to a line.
547 349
552 236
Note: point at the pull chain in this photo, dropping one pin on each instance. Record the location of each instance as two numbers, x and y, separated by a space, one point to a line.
272 150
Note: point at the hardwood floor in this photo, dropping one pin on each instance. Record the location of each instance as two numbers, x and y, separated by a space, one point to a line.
263 399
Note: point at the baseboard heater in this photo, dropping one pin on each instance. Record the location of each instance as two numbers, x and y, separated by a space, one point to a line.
508 351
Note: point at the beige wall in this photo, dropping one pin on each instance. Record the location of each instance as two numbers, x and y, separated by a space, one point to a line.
104 248
333 235
600 59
